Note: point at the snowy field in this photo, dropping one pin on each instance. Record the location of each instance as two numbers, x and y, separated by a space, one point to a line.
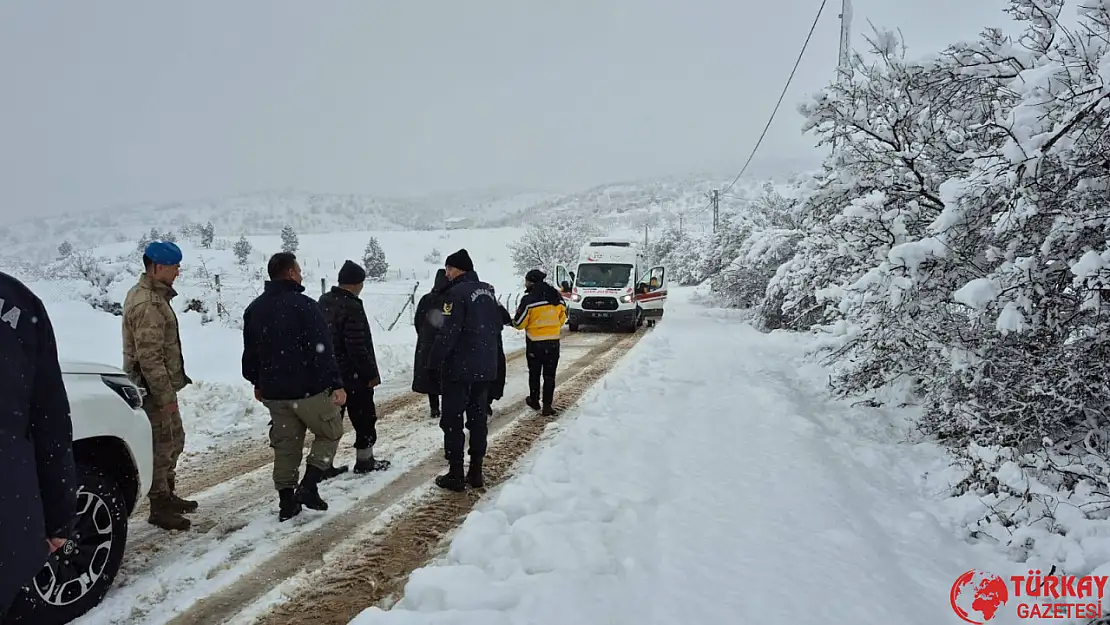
709 480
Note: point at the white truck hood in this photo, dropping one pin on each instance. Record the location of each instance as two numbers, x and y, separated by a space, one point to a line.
84 367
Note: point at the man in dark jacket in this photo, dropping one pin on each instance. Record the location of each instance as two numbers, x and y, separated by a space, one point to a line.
288 357
427 321
465 355
358 365
541 314
39 498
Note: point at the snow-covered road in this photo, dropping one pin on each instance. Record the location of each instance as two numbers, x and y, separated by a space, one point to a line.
707 480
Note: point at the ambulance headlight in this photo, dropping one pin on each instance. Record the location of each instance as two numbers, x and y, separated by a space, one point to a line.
626 299
575 297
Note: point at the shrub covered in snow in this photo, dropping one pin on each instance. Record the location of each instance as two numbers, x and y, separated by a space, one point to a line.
553 242
956 242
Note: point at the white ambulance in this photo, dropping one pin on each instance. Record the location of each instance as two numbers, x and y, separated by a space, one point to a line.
612 287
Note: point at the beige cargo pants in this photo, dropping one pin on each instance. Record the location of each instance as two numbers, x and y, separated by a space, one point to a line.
168 438
289 420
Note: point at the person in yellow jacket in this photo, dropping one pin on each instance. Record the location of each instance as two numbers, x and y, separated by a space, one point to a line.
541 314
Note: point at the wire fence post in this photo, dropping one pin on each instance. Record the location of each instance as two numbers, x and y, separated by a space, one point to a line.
411 301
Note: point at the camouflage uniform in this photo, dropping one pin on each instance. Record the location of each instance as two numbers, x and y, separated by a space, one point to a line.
152 358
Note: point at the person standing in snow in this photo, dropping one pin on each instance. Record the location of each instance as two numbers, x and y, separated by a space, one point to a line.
39 500
358 365
497 387
427 320
541 314
152 359
289 359
464 353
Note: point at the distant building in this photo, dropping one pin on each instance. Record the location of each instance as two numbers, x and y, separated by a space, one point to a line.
457 223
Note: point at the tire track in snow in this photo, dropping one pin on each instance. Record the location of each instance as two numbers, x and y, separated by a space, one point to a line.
406 542
219 466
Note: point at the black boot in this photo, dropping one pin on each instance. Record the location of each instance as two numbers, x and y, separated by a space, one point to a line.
474 473
288 506
334 472
307 493
453 479
365 462
533 403
548 411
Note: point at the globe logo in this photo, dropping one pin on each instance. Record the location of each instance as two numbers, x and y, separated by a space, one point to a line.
976 596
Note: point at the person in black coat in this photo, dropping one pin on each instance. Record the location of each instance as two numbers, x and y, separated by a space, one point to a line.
358 365
289 358
497 387
427 321
465 354
39 500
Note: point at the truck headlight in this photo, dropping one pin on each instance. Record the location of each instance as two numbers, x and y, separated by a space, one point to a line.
575 297
626 299
126 389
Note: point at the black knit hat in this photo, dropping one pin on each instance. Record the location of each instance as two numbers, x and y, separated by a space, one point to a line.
535 276
351 273
460 260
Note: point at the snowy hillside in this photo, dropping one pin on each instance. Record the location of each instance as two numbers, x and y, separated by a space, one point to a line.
636 203
624 205
258 213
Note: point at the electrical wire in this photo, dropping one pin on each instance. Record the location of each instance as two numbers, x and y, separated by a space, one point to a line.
782 95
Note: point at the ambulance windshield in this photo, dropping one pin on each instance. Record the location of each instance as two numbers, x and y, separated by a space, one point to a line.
603 276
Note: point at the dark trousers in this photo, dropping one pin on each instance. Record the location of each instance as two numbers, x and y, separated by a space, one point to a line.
471 399
543 360
364 416
433 403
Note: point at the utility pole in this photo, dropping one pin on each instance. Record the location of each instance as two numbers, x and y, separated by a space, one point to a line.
680 224
645 235
842 70
716 199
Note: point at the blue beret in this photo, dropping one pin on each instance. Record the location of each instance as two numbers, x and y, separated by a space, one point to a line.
163 253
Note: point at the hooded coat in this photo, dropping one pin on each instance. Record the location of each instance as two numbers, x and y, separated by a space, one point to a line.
497 387
427 321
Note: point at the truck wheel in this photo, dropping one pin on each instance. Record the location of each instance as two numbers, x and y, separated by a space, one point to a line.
77 576
573 327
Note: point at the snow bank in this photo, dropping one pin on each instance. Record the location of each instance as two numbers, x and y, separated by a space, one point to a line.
706 480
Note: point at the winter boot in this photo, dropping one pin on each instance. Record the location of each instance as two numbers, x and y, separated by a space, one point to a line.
288 506
489 411
307 493
365 461
453 479
333 471
533 403
181 505
548 411
474 473
163 514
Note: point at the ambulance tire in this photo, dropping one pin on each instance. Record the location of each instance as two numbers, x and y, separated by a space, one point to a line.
573 327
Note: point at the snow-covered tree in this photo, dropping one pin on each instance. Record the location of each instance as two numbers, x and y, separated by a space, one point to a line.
957 236
681 252
207 235
373 260
242 249
553 242
289 241
65 249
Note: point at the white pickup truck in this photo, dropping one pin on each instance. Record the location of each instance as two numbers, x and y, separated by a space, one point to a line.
113 451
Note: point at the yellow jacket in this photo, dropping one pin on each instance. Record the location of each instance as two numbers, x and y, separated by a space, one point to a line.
541 313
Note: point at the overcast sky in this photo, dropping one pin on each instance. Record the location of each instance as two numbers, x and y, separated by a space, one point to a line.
111 102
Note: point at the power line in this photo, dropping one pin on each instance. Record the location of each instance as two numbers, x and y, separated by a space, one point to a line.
782 95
